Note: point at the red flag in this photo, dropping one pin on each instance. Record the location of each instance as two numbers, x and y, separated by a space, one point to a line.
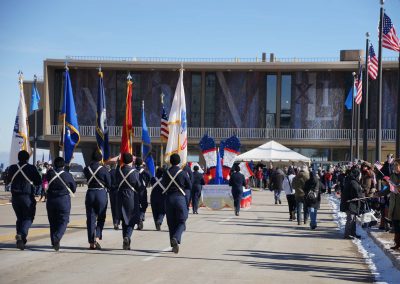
127 129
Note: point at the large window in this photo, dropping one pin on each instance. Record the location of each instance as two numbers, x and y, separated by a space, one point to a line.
209 102
271 101
195 101
286 95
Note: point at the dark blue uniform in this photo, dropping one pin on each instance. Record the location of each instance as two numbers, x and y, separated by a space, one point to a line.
237 181
23 196
157 200
128 199
59 202
96 200
144 178
176 204
188 191
114 198
197 184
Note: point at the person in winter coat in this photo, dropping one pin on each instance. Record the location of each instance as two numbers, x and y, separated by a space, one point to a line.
276 184
394 202
352 190
312 193
288 189
298 185
367 179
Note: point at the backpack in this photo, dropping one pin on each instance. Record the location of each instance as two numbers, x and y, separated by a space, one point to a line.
311 197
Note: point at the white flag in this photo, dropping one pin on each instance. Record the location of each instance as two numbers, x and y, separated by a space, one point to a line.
177 124
20 135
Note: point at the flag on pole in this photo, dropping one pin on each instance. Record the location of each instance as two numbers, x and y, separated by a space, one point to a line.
358 83
127 129
101 121
177 124
146 146
164 132
35 97
70 136
20 135
389 37
349 100
372 63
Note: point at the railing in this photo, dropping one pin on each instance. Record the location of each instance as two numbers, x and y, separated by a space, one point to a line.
209 59
246 133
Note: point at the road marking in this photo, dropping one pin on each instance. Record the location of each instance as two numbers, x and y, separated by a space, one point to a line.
227 219
157 254
5 204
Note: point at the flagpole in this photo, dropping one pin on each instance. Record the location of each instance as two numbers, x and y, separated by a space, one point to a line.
358 107
398 115
378 142
352 121
161 140
365 129
141 148
35 123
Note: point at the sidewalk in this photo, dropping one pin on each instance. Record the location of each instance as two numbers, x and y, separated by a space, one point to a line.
385 240
5 196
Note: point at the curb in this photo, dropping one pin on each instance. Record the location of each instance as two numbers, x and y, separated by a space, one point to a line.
388 252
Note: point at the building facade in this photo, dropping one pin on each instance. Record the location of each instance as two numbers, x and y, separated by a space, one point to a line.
297 102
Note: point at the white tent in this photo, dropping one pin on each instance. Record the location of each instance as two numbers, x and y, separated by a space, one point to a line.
272 152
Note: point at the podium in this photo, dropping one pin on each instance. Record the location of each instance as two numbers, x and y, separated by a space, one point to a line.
219 196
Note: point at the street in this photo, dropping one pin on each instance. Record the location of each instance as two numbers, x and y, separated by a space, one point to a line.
259 246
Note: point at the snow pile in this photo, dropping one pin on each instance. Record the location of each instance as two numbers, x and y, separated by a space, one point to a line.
380 265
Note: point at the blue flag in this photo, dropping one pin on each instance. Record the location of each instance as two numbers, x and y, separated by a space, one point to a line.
349 100
101 121
218 171
146 147
35 97
70 134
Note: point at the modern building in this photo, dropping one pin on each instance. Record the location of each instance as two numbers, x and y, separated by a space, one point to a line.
298 102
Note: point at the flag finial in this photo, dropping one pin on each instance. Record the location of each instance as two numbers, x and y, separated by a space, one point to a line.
66 66
162 97
129 77
143 104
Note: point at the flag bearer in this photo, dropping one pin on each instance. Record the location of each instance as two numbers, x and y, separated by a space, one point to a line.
114 197
157 199
128 198
175 181
23 178
99 182
144 179
61 186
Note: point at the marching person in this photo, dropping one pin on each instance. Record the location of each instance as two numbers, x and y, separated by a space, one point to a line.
175 181
114 196
188 191
157 198
144 178
61 186
23 179
197 184
237 182
98 182
129 185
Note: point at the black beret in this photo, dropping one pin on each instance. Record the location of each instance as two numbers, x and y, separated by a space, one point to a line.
196 168
127 158
59 162
23 156
97 156
175 159
138 161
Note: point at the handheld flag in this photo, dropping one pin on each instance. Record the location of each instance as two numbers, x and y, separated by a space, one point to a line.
35 97
389 37
20 135
101 121
358 83
372 63
146 146
164 132
127 129
70 136
177 124
349 100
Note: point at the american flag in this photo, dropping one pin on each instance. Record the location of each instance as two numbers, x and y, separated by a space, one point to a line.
358 83
372 63
164 131
378 165
389 37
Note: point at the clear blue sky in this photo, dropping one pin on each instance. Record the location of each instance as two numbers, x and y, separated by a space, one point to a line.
31 31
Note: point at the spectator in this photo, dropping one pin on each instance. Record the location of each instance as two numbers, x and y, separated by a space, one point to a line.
312 193
298 184
287 187
276 184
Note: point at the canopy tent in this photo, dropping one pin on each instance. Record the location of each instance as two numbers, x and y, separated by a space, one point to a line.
272 152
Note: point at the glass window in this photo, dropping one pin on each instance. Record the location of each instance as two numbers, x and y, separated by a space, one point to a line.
286 95
195 101
209 100
271 101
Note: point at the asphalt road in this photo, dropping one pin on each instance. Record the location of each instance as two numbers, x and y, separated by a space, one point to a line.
259 246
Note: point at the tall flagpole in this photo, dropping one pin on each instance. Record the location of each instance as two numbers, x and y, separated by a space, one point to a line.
35 123
398 115
358 107
352 120
161 142
365 87
378 142
141 148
